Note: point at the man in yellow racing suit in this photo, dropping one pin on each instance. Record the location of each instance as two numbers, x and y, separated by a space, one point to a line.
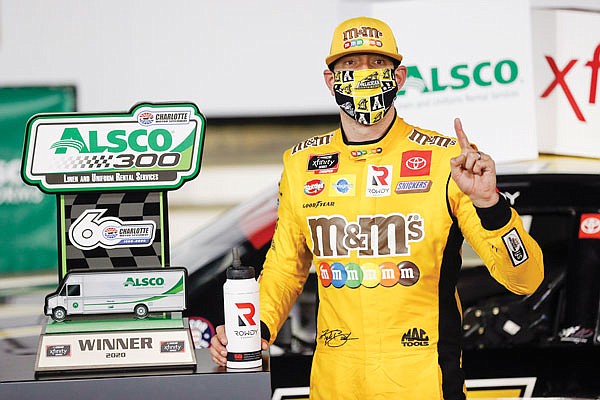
380 208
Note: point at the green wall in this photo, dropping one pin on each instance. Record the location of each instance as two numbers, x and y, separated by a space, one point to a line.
28 231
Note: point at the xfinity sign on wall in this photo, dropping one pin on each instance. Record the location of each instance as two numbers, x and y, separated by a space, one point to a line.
468 59
567 67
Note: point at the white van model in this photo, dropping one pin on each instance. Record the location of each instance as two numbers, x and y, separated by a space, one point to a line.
138 291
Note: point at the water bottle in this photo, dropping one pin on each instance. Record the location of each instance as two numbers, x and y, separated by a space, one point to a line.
242 316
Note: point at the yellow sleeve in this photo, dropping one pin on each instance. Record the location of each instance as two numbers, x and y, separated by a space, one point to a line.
511 255
286 266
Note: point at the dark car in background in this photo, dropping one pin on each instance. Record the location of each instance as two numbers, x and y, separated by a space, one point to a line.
508 340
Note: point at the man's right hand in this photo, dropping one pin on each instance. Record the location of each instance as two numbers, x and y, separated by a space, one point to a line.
218 349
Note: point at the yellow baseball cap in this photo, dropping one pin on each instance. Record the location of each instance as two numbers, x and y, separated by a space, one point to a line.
363 35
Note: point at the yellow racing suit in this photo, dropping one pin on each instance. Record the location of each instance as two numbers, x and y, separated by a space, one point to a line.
383 224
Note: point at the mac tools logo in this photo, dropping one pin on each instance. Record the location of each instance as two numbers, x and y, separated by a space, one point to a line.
379 181
415 337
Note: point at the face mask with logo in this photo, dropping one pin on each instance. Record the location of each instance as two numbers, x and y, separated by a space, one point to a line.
366 94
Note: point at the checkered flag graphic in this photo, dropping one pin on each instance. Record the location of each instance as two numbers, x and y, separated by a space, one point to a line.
127 206
97 161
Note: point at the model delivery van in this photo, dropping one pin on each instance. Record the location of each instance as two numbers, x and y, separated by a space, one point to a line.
138 291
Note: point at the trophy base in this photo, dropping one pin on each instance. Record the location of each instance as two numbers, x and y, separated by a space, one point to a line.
114 345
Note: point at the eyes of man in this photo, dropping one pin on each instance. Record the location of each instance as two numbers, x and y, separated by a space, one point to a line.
350 62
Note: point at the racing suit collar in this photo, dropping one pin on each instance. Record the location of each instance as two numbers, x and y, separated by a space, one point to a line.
367 142
364 150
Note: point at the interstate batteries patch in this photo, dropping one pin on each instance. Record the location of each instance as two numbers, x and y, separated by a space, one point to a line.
515 247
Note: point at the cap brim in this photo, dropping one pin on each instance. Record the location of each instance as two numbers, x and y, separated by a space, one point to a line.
333 58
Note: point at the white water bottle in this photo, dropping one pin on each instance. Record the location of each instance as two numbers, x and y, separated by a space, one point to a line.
242 316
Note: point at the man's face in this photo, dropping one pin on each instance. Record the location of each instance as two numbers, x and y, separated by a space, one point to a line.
359 61
367 88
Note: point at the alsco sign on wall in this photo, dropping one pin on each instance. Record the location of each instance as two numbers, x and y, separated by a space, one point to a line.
154 146
469 66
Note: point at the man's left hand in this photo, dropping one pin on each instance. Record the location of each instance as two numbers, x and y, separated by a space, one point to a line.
474 171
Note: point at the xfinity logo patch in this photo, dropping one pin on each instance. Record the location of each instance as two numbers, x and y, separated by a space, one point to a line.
323 163
60 350
515 247
172 346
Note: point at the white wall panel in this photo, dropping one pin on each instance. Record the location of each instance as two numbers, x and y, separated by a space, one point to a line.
567 61
260 57
469 59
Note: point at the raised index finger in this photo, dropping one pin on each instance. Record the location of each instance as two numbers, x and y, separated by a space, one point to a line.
463 141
